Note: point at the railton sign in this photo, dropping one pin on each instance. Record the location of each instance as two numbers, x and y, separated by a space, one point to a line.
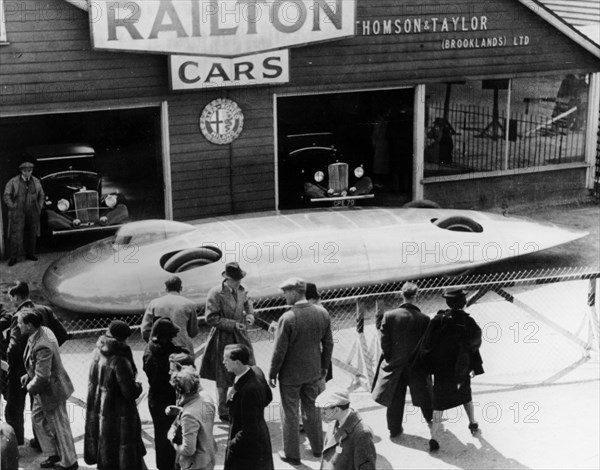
224 28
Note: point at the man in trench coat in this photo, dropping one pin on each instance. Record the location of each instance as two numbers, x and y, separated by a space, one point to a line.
24 197
228 310
401 330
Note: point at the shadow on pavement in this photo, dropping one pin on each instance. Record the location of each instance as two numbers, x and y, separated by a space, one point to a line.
455 452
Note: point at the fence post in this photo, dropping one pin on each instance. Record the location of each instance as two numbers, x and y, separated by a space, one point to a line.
594 313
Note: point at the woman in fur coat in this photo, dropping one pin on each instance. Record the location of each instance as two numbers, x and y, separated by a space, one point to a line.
113 431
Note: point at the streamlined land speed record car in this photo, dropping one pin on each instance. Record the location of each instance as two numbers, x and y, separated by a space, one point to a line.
332 247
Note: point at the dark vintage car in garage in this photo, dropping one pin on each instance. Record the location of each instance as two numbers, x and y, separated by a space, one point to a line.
73 189
314 173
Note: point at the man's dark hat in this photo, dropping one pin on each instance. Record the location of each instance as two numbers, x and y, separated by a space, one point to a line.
454 293
119 330
233 271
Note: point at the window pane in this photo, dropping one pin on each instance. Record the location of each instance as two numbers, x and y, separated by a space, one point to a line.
550 119
466 124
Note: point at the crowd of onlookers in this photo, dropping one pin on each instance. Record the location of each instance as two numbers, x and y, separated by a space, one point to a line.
434 358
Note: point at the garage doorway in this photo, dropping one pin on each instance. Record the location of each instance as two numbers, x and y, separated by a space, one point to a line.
127 143
374 128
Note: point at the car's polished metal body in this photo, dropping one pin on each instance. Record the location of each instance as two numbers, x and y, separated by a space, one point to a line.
332 247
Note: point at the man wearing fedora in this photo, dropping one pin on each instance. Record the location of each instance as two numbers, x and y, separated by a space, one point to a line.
450 350
180 310
228 311
24 197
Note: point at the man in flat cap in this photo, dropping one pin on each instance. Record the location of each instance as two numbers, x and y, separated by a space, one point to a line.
301 356
401 330
349 440
24 197
228 310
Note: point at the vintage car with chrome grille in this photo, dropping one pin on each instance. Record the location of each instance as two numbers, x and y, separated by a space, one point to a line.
73 189
314 172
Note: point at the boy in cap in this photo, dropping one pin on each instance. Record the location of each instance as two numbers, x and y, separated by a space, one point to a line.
301 356
24 197
349 441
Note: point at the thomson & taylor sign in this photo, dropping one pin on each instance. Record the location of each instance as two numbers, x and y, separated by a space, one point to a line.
224 28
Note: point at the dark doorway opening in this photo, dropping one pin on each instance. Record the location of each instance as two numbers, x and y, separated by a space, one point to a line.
127 144
374 128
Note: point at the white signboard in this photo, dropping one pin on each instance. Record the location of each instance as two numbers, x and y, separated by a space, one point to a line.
223 28
197 72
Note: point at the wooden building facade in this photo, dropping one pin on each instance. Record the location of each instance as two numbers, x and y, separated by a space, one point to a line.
403 58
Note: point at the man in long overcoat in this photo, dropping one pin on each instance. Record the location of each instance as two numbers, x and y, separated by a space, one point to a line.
228 309
24 197
249 444
401 330
113 430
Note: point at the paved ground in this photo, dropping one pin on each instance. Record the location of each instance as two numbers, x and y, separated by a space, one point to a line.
552 423
551 426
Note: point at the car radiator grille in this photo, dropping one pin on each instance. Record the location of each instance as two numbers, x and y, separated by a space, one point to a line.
338 177
86 206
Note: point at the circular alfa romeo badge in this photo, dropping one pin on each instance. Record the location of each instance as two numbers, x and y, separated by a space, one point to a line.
221 121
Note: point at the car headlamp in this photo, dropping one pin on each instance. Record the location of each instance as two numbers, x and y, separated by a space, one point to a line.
359 171
319 176
103 220
76 223
111 200
63 205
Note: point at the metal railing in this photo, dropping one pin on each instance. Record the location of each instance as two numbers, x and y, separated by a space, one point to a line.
480 142
551 313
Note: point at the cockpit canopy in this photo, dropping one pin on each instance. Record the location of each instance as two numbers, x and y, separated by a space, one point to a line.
144 232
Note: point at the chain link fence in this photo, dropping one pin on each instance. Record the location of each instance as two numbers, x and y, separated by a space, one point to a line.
537 326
